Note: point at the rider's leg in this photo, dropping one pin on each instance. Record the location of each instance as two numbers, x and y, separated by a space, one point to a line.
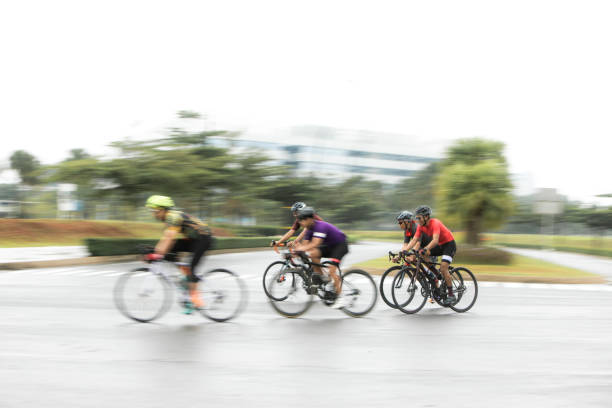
335 278
336 253
199 248
444 266
315 256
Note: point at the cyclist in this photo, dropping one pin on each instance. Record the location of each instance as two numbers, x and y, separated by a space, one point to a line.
197 240
323 240
406 222
296 226
442 243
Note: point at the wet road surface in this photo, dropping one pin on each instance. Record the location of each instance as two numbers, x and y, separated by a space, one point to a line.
62 343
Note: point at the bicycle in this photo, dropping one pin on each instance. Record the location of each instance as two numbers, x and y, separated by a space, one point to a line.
386 279
145 294
292 290
425 279
276 266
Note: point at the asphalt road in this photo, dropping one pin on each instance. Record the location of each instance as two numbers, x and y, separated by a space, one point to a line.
63 344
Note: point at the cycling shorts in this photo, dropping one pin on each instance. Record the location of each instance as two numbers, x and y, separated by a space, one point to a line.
447 251
197 247
335 253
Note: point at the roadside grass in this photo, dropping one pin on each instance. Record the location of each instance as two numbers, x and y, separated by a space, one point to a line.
522 269
16 233
592 245
601 246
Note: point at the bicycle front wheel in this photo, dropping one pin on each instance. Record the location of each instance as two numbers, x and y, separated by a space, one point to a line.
142 296
271 272
386 285
409 292
224 295
360 290
465 287
288 293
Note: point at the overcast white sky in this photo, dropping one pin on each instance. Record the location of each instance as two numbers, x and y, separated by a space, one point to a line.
533 74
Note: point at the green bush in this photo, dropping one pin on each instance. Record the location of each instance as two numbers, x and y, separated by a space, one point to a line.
254 230
129 246
472 255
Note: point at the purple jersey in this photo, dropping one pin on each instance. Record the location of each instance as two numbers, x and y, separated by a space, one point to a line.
328 233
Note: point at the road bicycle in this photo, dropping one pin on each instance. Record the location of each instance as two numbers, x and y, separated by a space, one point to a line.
412 286
292 289
145 294
386 279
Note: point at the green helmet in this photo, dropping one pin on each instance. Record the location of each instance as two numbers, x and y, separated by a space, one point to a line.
157 201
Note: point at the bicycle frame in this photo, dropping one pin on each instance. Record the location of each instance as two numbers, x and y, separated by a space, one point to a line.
431 288
306 266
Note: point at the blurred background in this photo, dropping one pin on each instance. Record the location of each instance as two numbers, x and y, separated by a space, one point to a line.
361 112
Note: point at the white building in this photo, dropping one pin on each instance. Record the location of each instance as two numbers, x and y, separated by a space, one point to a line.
337 154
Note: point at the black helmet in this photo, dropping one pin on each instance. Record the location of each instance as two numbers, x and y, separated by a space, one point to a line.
297 206
305 212
423 210
405 216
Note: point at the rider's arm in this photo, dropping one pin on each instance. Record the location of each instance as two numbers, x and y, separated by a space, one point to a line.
299 237
287 235
434 241
167 241
308 245
411 244
415 243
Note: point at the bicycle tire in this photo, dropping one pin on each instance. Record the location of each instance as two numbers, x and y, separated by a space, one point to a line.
293 292
354 292
465 276
386 278
272 274
413 286
150 284
216 286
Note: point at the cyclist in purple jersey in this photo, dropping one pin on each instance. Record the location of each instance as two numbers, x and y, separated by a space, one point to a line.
323 240
296 226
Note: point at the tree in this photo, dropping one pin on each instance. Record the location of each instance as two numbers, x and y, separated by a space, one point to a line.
351 202
78 154
474 188
26 165
417 190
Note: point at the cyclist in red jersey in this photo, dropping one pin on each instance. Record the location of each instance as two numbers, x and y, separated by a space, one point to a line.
442 243
296 226
405 220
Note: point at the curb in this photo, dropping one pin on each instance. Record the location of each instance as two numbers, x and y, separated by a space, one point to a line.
94 260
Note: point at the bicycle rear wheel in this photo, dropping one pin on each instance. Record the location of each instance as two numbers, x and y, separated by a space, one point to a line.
465 287
142 296
360 290
409 292
224 295
288 295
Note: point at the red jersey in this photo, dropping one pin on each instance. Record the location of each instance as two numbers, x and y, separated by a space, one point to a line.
435 226
409 233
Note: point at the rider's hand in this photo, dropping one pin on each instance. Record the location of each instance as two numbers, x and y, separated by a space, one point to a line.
290 244
153 257
424 251
273 243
